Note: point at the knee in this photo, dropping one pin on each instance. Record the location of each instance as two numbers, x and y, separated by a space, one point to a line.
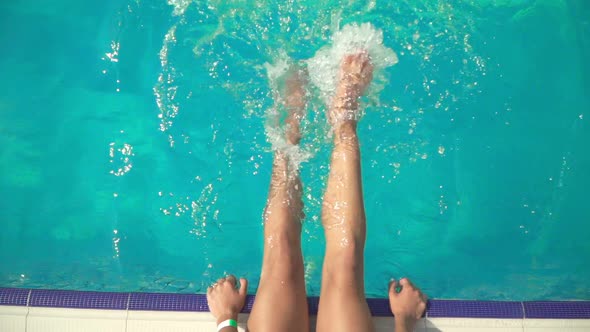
284 243
283 254
344 264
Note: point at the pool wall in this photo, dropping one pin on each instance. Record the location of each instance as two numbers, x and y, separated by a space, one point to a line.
33 310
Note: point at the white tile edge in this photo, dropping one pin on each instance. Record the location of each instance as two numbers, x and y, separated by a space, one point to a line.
13 310
205 318
40 312
146 315
557 323
490 323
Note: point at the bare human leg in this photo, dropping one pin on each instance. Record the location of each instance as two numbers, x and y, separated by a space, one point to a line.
281 301
343 306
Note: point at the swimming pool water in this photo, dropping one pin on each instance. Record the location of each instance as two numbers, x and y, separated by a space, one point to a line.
133 154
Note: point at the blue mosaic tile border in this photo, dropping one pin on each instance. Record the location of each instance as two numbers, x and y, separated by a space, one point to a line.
14 296
198 302
557 309
479 309
167 302
77 299
379 307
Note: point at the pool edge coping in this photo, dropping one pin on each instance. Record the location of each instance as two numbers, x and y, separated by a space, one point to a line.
137 301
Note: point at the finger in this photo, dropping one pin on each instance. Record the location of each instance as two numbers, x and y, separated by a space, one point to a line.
406 283
221 281
231 279
392 286
424 297
243 286
422 308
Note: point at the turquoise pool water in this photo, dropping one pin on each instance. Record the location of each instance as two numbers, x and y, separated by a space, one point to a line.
133 153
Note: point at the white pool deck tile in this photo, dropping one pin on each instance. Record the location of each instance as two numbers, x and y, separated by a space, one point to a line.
13 319
386 324
158 321
565 325
36 319
473 324
73 320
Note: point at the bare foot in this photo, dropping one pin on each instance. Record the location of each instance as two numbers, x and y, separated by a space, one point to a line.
295 103
356 72
407 306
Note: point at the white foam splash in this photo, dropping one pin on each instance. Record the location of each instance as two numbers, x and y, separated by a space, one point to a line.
180 6
275 132
277 70
351 39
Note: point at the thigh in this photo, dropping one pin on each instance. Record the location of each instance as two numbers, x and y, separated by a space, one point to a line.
343 310
281 301
343 306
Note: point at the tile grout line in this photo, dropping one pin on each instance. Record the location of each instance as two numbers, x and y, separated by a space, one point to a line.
28 309
425 316
523 314
126 311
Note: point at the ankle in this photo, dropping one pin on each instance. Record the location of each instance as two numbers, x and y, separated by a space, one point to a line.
345 131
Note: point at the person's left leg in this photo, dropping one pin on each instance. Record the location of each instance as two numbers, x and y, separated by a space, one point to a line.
281 301
343 306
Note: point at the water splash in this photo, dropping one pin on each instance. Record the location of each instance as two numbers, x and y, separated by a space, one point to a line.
180 6
352 39
165 90
275 131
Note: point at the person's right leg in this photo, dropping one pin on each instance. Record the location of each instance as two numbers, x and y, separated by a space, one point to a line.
343 306
281 301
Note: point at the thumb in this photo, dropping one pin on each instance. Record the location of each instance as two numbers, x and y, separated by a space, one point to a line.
243 286
392 286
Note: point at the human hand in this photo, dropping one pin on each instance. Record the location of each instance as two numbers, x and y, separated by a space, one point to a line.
224 300
407 306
